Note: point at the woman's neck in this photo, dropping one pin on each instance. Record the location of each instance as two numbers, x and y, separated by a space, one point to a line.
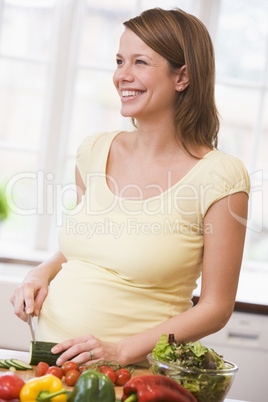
155 140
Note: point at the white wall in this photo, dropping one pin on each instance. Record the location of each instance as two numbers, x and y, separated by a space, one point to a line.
14 334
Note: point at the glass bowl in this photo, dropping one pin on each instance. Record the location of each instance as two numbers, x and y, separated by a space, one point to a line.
205 385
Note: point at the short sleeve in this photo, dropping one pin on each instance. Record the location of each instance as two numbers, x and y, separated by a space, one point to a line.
227 175
83 155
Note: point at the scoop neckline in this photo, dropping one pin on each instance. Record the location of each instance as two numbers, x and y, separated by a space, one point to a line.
167 191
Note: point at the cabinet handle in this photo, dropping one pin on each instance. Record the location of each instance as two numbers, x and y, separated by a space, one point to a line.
243 336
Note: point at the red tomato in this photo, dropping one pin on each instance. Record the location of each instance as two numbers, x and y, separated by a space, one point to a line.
107 371
83 368
10 386
71 377
67 366
55 371
41 369
122 376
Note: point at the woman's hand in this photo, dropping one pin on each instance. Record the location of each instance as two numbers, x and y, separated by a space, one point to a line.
28 298
86 349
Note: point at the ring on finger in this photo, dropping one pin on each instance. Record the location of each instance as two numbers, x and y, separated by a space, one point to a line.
91 355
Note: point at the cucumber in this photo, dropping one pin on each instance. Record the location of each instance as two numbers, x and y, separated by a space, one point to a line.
3 364
15 363
10 364
41 352
21 365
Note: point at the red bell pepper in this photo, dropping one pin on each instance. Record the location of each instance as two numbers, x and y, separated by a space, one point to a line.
155 388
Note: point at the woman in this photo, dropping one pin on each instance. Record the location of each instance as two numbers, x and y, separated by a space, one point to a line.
155 207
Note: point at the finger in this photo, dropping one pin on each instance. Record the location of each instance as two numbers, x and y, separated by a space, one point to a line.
71 342
86 358
17 300
78 353
39 300
28 291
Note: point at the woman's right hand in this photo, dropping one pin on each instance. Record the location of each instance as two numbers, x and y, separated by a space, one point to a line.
29 296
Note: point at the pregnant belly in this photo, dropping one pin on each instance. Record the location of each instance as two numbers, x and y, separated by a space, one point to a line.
86 299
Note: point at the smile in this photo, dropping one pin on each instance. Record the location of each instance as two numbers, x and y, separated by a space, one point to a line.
131 93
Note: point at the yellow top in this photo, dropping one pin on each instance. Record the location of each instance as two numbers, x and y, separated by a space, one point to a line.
132 263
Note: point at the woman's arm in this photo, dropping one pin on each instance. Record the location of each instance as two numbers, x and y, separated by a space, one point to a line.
224 234
30 295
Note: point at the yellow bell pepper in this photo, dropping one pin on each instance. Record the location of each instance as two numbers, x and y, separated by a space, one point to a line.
46 388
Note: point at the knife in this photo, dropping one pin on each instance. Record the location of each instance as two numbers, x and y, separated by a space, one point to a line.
31 325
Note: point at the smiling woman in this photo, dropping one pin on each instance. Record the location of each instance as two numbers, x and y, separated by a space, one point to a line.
133 248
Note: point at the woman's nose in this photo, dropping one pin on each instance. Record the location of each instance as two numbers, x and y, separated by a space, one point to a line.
124 73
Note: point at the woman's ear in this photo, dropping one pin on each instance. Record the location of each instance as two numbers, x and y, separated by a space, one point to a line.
182 79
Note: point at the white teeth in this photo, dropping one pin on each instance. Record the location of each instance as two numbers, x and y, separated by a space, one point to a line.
131 93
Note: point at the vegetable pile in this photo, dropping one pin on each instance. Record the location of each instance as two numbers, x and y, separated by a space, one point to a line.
71 371
194 366
93 382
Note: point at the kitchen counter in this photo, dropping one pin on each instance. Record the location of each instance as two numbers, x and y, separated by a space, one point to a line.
27 375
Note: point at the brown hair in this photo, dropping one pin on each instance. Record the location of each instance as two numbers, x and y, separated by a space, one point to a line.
184 40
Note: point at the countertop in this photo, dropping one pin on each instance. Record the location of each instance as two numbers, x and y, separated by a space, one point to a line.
27 375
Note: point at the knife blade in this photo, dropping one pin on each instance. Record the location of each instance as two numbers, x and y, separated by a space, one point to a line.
31 325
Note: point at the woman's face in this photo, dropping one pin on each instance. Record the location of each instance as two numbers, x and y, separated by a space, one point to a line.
143 79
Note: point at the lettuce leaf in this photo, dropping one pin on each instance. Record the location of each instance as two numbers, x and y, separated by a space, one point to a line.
163 351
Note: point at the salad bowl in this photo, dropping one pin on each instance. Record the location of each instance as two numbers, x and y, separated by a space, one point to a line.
200 370
205 384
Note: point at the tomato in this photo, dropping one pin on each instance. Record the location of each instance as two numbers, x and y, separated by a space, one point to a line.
10 386
122 376
41 369
83 368
55 371
107 371
67 366
71 377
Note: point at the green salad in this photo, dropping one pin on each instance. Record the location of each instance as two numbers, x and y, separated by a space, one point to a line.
195 366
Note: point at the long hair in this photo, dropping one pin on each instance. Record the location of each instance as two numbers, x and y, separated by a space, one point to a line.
183 39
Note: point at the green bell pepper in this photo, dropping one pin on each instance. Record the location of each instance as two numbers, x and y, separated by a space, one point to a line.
93 386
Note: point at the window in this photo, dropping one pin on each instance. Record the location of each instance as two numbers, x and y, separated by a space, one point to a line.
56 64
242 89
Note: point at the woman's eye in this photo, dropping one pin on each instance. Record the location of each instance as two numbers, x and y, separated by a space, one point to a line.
119 62
140 61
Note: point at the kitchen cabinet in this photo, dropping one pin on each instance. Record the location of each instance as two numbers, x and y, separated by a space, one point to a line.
244 341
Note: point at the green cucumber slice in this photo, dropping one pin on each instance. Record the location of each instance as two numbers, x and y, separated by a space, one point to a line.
10 364
21 365
3 364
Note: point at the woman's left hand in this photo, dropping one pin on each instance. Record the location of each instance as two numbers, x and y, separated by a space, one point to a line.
86 349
